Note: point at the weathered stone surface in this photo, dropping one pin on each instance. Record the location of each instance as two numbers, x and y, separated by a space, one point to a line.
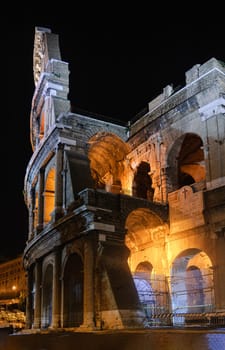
110 204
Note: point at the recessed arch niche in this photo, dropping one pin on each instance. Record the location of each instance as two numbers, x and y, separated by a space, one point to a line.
143 227
49 195
73 280
192 288
142 182
186 164
107 154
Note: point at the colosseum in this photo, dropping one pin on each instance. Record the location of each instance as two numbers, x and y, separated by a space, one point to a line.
126 220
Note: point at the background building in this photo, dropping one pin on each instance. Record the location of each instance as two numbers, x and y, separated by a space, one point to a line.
12 281
12 293
126 221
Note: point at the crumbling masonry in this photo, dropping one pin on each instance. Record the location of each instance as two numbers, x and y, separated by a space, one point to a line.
126 221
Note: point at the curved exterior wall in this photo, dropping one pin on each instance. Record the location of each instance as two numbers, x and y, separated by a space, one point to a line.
108 202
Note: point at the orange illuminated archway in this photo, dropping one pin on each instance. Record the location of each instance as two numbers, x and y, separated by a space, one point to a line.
107 154
49 195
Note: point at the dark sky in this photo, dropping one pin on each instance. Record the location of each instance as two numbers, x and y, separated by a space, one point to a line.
111 73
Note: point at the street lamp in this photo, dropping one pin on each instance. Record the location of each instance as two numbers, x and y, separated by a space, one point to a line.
14 291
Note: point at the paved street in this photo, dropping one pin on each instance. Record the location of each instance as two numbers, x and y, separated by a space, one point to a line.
160 339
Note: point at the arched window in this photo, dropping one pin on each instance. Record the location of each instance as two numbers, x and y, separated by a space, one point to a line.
142 183
49 195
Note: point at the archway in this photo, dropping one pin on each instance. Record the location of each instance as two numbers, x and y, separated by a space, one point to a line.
186 164
143 228
192 288
145 232
73 292
107 154
142 182
49 195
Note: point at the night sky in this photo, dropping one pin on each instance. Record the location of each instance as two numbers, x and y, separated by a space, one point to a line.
113 73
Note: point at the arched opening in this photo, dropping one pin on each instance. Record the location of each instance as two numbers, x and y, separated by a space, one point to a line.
186 164
47 297
142 182
145 231
49 195
107 155
192 289
73 292
143 228
190 161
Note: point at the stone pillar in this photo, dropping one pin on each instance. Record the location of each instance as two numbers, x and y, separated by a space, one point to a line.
31 215
56 304
59 182
29 301
62 323
88 321
41 200
37 295
218 274
120 304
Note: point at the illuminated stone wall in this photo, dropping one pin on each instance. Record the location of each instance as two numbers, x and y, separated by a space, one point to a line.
124 219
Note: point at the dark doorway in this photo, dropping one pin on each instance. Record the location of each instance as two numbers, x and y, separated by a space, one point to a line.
73 292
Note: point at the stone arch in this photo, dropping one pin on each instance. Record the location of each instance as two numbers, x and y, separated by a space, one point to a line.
143 227
107 154
192 288
144 269
47 296
142 182
73 285
70 249
146 230
185 162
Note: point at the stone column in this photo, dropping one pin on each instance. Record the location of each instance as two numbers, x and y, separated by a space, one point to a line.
41 200
56 299
29 301
31 215
37 295
88 321
59 182
219 273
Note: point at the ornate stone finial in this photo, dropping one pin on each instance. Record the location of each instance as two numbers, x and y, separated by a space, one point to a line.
46 47
39 51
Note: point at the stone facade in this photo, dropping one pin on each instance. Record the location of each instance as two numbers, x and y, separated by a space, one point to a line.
12 282
126 221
